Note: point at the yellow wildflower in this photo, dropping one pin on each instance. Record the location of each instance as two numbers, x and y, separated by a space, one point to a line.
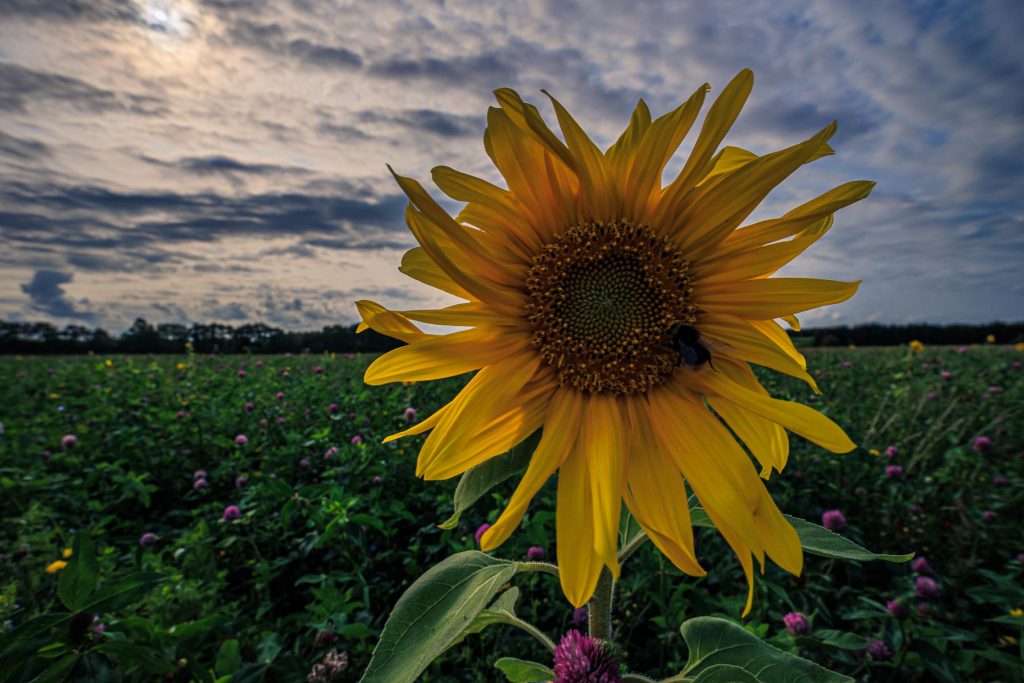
594 298
56 566
109 363
875 452
991 339
68 552
1017 612
916 346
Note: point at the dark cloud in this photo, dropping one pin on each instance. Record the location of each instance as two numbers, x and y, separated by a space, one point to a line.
70 10
22 148
490 68
48 296
223 165
274 39
20 85
101 218
429 120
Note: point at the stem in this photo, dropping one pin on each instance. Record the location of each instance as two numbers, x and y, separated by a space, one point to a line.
600 607
631 547
533 631
544 567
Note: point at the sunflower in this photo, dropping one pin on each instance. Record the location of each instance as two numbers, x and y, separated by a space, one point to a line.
619 316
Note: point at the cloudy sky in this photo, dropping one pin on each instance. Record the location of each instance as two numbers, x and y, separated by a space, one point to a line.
224 160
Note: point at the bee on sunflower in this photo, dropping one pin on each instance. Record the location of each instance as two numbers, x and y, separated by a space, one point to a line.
620 317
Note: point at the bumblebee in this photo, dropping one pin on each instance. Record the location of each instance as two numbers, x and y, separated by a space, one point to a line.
686 342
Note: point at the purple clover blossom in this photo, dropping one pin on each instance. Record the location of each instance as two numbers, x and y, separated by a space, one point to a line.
147 540
481 530
410 414
535 553
357 440
231 512
199 474
897 609
892 452
68 441
241 481
894 472
879 651
582 659
926 587
833 520
989 516
920 565
796 624
241 439
200 484
982 444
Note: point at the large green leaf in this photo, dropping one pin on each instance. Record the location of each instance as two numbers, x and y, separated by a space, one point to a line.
817 540
434 612
716 642
78 579
725 673
524 671
121 593
501 611
476 482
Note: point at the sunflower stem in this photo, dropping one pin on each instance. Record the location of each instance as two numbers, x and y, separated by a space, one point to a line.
600 607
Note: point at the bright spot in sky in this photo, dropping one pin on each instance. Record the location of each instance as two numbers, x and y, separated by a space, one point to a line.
167 17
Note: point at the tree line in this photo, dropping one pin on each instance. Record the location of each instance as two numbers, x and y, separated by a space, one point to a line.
143 337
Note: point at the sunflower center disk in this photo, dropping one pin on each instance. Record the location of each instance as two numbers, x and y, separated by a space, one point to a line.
603 301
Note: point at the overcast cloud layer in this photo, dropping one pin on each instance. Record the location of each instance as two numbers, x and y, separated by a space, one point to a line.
224 160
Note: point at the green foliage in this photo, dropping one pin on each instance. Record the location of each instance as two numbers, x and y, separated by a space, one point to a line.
435 611
323 552
716 643
523 671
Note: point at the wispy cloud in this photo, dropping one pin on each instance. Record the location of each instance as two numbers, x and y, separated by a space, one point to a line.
162 154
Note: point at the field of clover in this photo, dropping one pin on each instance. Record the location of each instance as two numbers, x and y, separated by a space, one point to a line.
234 518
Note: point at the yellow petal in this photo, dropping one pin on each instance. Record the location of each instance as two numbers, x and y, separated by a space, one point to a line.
761 261
556 442
705 223
529 171
795 221
603 443
656 496
578 564
466 188
393 324
743 554
471 314
444 356
794 416
621 154
491 392
717 123
528 119
417 265
780 539
767 440
458 235
719 472
773 331
455 265
742 339
659 143
501 434
600 196
421 426
728 160
772 298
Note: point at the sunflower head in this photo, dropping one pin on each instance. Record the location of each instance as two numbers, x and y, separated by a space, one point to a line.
620 315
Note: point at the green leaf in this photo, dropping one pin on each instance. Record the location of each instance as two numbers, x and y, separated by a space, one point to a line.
228 659
122 592
501 611
817 540
356 631
59 670
714 642
433 612
725 673
475 483
130 653
833 638
78 579
523 671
